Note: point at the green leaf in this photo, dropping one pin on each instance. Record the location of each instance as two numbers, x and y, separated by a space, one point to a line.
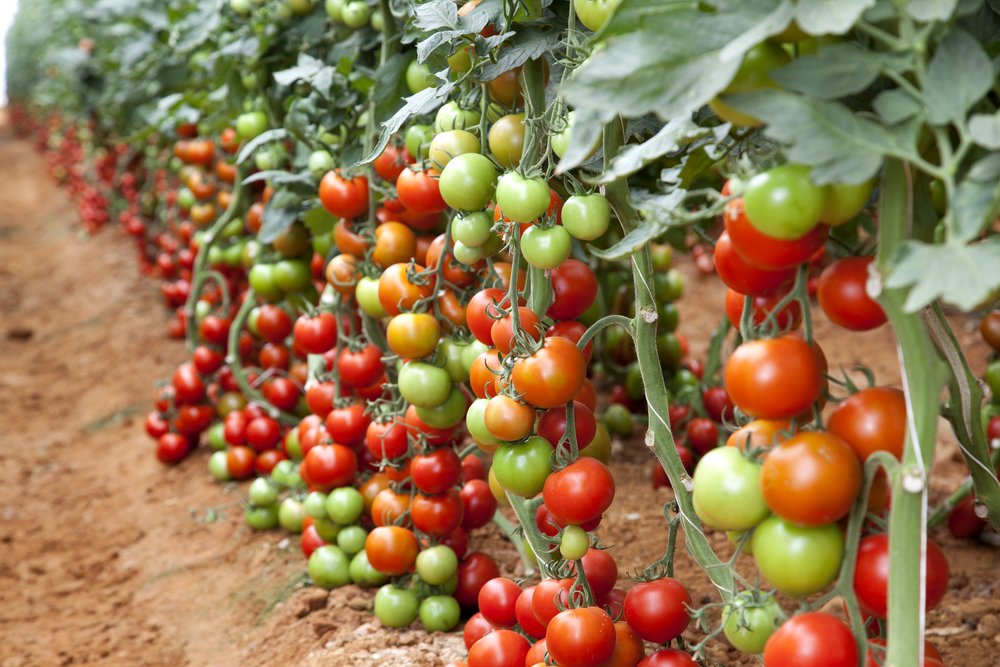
895 106
423 102
436 15
281 211
526 45
280 177
276 134
931 10
669 139
959 274
840 146
829 17
390 86
974 204
836 71
676 60
631 243
587 129
985 130
959 74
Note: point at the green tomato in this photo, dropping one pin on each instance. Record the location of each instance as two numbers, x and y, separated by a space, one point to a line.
292 446
268 159
377 21
251 250
475 422
453 117
241 7
448 414
939 197
219 466
586 217
440 613
251 124
451 144
472 229
362 572
396 607
747 623
668 285
352 539
594 13
285 474
261 518
355 14
574 543
321 244
418 77
727 493
522 199
366 292
464 254
845 201
334 9
345 505
291 515
467 181
546 248
634 384
753 74
261 278
798 561
450 351
315 505
424 385
506 140
232 256
217 437
233 228
300 7
319 163
292 275
471 353
263 493
215 256
437 564
327 529
669 317
461 61
329 567
560 141
783 202
418 140
522 468
992 378
618 420
669 350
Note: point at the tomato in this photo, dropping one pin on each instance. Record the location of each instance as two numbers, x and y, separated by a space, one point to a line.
396 607
436 471
396 292
502 648
813 639
845 201
475 629
552 376
478 502
749 622
932 657
419 191
509 419
657 610
506 140
522 468
843 297
668 657
871 420
188 385
552 424
348 425
797 560
391 550
594 13
315 335
326 467
472 229
424 385
394 243
760 434
783 202
811 479
413 335
580 492
547 592
583 637
753 74
240 462
328 567
467 181
586 217
451 116
502 331
776 378
600 569
172 447
482 312
356 14
789 317
497 599
702 435
989 328
453 273
360 368
262 433
546 248
963 522
344 197
743 277
574 289
766 252
473 572
727 493
387 507
522 199
871 576
391 162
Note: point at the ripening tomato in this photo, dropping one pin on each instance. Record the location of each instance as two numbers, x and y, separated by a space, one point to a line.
386 439
843 297
397 292
760 434
502 648
811 479
873 419
743 277
344 197
657 610
391 162
502 331
580 492
413 335
388 506
775 378
547 593
767 252
583 637
419 190
813 639
326 467
871 575
574 289
509 419
552 376
391 550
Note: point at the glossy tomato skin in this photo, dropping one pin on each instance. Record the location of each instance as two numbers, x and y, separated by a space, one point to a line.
502 648
525 614
797 560
767 252
580 492
873 419
668 657
475 629
871 576
814 639
743 277
342 197
811 479
574 288
583 637
843 298
473 572
497 601
775 378
553 375
391 550
657 610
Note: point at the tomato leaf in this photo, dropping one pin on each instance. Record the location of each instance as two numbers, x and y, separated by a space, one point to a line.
631 243
985 130
931 10
959 274
959 74
390 86
587 128
669 58
527 44
976 197
829 17
895 106
836 71
281 211
840 146
276 134
425 101
669 139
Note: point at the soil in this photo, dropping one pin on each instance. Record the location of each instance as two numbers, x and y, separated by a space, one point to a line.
109 558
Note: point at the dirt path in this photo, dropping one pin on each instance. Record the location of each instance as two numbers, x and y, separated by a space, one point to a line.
108 558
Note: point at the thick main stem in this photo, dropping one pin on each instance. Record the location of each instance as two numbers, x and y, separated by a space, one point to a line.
922 378
659 436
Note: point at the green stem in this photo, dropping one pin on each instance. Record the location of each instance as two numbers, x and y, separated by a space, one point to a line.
658 437
509 529
524 510
922 378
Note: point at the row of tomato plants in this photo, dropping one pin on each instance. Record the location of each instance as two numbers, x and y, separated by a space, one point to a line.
397 362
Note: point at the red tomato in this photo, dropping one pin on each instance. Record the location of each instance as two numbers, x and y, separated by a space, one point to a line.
348 425
360 368
310 540
775 378
843 298
475 629
172 447
552 424
386 439
342 197
743 277
767 252
668 657
503 648
326 467
526 614
419 191
473 572
479 504
871 577
813 639
315 335
437 515
574 288
552 376
872 420
580 492
574 331
482 312
497 600
656 609
436 471
543 601
583 637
